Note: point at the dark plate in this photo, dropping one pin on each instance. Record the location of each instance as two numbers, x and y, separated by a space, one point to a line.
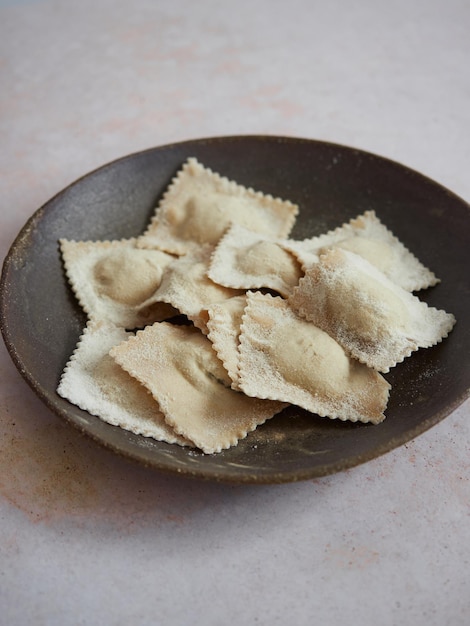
41 321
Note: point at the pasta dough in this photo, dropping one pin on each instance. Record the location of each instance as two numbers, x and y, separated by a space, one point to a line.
199 205
247 260
223 325
369 238
376 321
111 280
287 358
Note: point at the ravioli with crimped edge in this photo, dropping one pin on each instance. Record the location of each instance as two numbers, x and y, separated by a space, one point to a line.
213 320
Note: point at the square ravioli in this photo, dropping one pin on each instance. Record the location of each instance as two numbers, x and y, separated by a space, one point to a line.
93 381
179 367
244 259
285 357
111 280
369 238
200 204
374 319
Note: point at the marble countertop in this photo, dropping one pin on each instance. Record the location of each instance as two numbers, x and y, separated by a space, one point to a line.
87 537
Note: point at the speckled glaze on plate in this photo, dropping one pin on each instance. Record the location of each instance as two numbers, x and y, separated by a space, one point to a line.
41 321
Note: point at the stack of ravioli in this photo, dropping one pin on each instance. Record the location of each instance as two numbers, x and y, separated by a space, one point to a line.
270 321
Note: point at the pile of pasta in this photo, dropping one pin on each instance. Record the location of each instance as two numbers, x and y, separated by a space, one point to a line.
270 321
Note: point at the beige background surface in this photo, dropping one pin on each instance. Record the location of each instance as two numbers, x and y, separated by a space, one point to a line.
88 538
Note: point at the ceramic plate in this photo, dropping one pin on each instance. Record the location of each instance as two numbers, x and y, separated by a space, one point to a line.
41 322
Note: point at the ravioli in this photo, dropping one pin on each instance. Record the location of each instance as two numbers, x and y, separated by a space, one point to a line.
375 320
200 204
284 357
111 280
368 237
182 372
244 259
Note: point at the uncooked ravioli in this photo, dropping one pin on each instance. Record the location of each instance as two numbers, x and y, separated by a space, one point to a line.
244 259
366 236
111 280
374 319
199 205
284 357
